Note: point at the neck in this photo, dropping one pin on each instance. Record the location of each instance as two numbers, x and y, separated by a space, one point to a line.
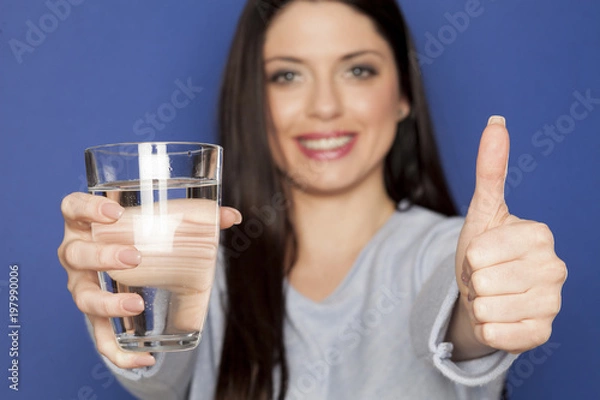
332 229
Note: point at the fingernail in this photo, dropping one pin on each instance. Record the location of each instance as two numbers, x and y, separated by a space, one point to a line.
130 257
144 360
112 210
464 278
497 120
238 217
133 304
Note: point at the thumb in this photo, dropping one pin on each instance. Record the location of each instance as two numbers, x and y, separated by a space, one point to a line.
490 175
488 208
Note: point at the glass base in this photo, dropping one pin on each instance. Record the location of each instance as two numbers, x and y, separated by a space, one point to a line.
159 343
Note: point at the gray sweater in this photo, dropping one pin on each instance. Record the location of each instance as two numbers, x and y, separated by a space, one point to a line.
379 335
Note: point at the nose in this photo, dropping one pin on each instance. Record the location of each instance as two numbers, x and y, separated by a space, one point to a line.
324 103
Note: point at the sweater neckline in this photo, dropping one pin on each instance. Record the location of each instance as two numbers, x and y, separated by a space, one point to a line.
298 297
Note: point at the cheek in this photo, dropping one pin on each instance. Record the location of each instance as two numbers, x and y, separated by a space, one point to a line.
285 109
377 107
377 112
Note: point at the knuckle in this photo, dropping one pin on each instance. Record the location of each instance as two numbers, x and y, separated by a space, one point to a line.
489 334
66 204
560 272
543 234
473 253
89 206
480 310
73 203
60 253
80 301
70 253
555 304
122 360
542 335
480 283
106 308
103 256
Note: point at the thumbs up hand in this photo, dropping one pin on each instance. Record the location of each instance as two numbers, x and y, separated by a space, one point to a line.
509 276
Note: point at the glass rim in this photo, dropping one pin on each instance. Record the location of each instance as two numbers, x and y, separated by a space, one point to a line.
109 146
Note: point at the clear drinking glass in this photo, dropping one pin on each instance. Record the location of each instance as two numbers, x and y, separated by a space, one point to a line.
171 193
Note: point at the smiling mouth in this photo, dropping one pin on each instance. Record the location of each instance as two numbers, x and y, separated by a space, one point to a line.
326 143
326 146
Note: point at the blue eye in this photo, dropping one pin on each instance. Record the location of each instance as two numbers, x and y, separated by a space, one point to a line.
362 71
283 77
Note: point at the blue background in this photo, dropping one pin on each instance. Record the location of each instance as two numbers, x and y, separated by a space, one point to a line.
106 64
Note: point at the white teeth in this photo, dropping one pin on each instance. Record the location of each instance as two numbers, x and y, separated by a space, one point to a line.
326 143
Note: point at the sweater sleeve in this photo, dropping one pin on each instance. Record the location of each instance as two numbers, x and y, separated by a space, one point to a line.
433 308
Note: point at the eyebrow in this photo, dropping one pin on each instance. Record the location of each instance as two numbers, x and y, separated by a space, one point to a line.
343 58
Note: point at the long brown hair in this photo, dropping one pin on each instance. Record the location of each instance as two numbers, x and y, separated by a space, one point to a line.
253 358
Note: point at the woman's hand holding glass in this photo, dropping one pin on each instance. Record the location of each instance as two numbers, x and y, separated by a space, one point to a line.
83 258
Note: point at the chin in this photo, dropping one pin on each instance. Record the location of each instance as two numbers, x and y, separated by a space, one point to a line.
324 186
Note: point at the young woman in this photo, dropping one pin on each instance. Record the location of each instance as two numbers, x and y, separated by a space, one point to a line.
361 284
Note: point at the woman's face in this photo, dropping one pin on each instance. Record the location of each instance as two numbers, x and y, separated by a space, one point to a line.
333 94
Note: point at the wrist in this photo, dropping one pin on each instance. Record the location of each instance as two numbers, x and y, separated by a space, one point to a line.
461 334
